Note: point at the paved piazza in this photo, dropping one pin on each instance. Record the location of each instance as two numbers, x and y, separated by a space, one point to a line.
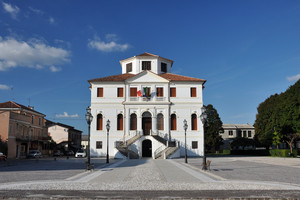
228 174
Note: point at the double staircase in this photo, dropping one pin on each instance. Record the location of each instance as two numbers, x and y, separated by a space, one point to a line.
167 148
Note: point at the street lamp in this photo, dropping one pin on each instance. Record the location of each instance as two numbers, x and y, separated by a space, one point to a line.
185 126
89 119
203 117
107 128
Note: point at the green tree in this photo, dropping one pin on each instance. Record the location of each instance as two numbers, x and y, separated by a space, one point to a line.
277 138
212 127
283 112
241 142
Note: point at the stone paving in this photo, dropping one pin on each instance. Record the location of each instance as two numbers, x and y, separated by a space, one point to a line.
148 174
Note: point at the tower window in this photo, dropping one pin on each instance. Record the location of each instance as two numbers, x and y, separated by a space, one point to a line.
128 67
146 65
163 67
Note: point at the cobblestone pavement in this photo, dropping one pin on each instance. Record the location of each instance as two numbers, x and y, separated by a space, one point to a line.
285 170
150 175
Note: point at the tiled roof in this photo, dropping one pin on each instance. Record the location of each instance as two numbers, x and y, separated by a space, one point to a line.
175 77
234 126
147 54
11 104
168 76
115 78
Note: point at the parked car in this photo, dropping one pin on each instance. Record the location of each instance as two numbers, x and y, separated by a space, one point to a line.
80 153
2 156
58 153
34 154
70 153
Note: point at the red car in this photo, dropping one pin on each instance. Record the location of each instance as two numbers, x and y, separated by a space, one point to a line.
2 156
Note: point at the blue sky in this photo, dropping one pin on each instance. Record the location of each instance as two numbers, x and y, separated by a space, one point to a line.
246 50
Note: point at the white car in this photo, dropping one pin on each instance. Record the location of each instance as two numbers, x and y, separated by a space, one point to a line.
80 153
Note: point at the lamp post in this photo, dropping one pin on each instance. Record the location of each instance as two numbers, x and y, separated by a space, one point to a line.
203 117
185 126
107 128
89 119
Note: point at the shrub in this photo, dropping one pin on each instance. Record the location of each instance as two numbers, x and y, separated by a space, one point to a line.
282 153
226 152
260 152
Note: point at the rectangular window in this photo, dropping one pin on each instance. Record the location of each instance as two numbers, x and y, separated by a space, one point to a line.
230 133
244 133
133 92
193 92
172 92
128 67
120 92
163 67
98 144
160 92
194 144
249 134
146 65
99 92
239 133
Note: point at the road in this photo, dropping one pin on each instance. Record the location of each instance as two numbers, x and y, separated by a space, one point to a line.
147 178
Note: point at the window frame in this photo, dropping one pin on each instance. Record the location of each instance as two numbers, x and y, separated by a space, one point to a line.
194 144
133 92
146 65
163 67
133 122
99 123
173 122
160 92
120 123
120 92
194 126
160 121
193 92
129 67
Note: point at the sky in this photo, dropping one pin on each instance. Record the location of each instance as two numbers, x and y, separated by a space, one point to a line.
246 50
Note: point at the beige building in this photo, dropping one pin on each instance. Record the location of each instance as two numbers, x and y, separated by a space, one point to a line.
66 137
23 129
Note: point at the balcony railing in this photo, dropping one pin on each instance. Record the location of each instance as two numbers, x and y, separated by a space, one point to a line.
146 99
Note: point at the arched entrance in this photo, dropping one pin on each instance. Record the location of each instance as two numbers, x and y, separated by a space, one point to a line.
147 148
147 123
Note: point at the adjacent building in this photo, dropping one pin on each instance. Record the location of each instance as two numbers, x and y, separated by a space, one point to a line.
66 137
23 128
146 105
232 131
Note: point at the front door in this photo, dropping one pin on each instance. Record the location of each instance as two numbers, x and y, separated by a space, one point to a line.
146 123
147 148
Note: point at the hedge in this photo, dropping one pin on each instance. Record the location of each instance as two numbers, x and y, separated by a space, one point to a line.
282 153
260 152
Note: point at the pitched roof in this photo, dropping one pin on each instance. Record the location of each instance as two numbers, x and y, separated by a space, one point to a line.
150 55
12 104
115 78
176 77
168 76
237 126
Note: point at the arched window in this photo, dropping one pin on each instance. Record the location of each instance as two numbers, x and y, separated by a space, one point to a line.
160 122
194 122
99 122
173 122
133 122
120 122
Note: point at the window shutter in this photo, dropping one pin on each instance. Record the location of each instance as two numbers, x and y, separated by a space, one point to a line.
120 92
160 92
173 122
193 92
99 92
133 122
120 122
99 122
194 122
133 92
173 92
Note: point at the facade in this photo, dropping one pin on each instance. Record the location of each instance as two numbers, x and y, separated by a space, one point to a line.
66 137
232 131
84 142
146 106
23 128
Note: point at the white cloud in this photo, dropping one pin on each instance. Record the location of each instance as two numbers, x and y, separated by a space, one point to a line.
11 9
32 54
4 87
55 69
36 11
293 78
51 20
109 46
66 115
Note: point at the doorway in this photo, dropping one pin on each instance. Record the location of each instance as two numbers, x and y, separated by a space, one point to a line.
147 148
146 123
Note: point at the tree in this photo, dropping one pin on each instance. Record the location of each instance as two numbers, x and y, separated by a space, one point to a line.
242 142
212 127
281 112
277 138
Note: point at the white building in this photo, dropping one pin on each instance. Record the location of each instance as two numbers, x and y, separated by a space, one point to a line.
146 106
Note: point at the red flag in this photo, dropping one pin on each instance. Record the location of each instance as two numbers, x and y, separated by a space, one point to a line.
139 93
